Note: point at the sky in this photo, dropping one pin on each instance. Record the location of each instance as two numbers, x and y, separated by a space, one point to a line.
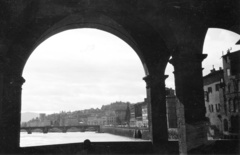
87 68
216 44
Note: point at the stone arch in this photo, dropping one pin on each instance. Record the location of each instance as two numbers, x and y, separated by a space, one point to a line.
191 15
146 48
54 129
148 44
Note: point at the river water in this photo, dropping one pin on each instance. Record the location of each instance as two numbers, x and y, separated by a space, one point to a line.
39 139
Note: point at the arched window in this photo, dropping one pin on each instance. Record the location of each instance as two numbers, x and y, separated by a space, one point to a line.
217 106
229 87
238 105
234 124
225 125
230 105
235 105
238 84
225 107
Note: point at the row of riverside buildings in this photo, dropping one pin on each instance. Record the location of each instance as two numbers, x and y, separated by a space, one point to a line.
222 94
133 115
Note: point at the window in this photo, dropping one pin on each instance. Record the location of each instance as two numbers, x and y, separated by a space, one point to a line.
217 86
234 124
228 72
238 84
225 125
230 105
222 84
229 87
172 117
225 107
209 89
211 108
206 96
217 106
235 105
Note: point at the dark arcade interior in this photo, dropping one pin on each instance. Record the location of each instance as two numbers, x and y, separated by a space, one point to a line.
155 29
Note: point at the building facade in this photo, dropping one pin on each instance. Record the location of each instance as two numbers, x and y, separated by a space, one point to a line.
145 114
231 65
214 101
222 98
171 108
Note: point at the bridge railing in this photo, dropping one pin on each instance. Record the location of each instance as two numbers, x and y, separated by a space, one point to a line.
64 129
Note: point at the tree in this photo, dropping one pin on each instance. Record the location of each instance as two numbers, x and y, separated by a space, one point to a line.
128 115
118 121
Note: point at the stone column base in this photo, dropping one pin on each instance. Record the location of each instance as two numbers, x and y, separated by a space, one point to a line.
196 134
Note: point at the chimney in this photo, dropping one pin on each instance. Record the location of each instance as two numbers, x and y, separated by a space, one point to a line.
213 70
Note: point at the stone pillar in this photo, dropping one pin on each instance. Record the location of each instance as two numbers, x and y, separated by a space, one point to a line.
45 130
238 131
156 96
11 112
1 83
182 141
29 131
189 91
3 64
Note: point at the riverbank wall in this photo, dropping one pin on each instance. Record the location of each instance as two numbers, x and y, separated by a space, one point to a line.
127 132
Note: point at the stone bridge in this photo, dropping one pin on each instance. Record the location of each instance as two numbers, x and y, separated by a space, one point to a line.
64 129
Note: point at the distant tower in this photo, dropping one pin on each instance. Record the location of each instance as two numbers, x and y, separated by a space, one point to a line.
42 117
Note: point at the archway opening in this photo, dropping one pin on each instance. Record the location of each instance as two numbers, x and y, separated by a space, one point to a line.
171 103
85 77
221 77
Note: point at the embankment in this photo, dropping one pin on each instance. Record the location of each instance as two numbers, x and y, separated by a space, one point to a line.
127 132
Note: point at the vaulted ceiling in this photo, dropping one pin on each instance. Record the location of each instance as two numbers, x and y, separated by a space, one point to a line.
156 29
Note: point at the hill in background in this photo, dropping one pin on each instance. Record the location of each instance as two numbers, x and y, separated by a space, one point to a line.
27 116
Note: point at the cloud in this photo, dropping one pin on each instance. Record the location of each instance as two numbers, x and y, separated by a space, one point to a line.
78 70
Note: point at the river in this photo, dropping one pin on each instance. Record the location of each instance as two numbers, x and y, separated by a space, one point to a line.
40 139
